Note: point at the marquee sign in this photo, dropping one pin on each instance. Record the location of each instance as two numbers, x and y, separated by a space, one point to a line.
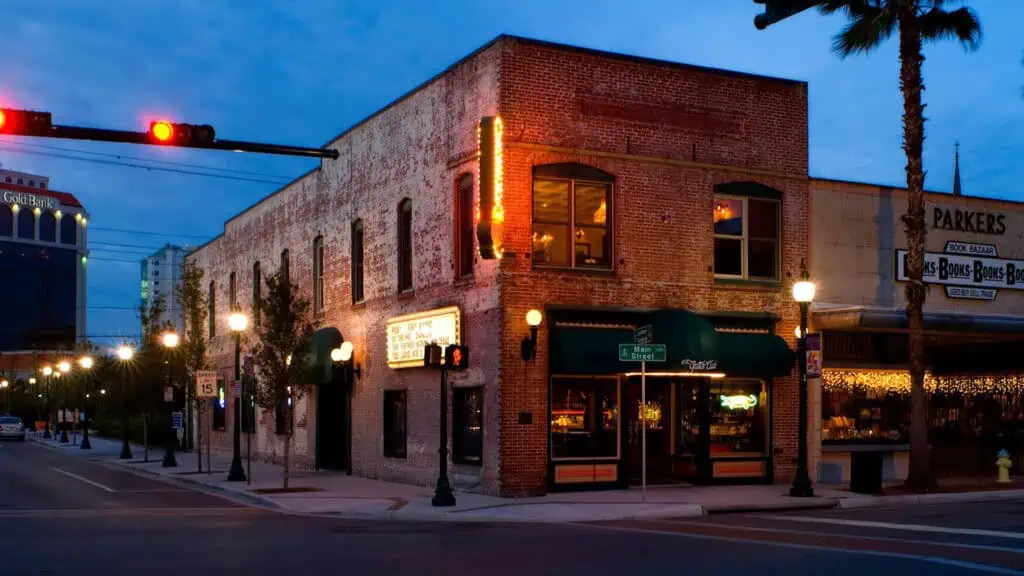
28 200
408 335
971 271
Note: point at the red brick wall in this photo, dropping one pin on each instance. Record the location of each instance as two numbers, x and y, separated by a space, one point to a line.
593 106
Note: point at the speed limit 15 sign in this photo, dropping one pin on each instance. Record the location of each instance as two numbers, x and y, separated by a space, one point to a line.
206 383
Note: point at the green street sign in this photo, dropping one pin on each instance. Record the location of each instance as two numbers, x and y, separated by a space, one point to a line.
641 352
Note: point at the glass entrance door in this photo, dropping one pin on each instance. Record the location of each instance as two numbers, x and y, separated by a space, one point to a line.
659 430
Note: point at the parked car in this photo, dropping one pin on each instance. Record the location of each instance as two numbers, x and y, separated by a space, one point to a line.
12 428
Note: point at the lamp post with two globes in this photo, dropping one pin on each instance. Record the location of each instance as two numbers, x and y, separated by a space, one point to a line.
124 356
47 406
64 369
170 342
803 294
85 362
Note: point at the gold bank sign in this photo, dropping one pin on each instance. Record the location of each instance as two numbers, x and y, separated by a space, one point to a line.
29 200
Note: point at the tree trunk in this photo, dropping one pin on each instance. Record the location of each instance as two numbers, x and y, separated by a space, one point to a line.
287 456
911 60
199 437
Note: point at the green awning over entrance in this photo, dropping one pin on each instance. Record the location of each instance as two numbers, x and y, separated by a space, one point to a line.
693 345
324 340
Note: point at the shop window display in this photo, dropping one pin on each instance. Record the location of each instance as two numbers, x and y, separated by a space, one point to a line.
584 418
738 417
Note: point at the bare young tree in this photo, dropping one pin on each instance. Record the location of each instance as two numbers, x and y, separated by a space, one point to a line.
285 335
192 346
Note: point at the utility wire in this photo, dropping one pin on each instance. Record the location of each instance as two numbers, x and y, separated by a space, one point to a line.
285 179
150 248
142 253
147 233
156 168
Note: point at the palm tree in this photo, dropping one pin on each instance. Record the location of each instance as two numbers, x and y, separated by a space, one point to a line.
870 23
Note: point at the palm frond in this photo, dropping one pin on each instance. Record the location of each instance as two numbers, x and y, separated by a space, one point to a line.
870 24
961 24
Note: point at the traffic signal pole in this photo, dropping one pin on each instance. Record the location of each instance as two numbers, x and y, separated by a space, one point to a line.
776 11
39 124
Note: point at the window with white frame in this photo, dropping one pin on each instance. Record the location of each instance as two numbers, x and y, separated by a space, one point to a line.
747 237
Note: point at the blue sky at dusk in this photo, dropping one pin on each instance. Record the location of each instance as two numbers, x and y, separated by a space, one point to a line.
301 71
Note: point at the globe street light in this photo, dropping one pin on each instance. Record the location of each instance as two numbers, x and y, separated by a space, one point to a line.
803 294
63 367
86 362
47 371
4 384
170 341
125 355
238 323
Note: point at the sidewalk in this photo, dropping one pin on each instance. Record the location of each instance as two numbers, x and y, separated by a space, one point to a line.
332 493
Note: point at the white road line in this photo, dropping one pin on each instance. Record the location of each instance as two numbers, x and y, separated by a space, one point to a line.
907 527
86 480
832 550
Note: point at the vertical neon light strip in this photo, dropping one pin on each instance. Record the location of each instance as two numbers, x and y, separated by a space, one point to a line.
490 214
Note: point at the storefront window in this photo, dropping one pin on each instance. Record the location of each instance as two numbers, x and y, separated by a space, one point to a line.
584 418
688 419
864 414
468 425
738 416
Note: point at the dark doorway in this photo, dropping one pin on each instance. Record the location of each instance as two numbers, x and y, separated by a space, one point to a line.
334 417
659 430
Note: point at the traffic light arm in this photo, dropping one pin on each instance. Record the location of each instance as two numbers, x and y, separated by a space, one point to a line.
41 127
776 11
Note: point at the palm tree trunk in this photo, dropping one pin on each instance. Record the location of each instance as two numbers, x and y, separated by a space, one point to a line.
911 60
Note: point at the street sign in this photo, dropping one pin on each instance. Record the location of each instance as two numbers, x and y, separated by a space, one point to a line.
178 420
206 383
643 335
641 352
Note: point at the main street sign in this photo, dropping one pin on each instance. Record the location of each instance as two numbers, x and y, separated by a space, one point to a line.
642 352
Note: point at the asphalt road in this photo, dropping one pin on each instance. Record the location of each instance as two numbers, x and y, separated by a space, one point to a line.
67 515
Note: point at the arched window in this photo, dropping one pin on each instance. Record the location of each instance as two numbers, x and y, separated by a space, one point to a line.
32 183
68 230
318 274
572 216
6 221
26 224
47 227
465 220
357 261
405 245
211 305
257 278
285 266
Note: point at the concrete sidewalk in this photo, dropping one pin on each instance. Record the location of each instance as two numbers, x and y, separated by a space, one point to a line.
332 493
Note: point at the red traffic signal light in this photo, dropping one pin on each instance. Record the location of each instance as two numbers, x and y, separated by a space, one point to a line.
172 134
24 122
456 357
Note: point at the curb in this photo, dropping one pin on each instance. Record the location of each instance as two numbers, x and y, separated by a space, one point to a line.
924 499
252 499
829 504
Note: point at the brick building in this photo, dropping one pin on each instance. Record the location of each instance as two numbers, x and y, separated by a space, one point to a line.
616 192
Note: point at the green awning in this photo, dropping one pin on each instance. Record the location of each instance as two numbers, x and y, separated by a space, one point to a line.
587 351
754 355
691 341
324 340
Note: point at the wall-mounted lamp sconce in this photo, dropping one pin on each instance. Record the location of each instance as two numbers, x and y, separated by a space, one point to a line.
344 356
529 346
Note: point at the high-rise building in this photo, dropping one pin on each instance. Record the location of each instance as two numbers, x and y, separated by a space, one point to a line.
161 276
43 258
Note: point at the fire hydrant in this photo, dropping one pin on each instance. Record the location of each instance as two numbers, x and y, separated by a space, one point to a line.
1004 464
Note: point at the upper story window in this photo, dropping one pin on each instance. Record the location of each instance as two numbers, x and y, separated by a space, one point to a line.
211 312
232 293
257 278
357 261
747 229
465 229
285 272
405 245
572 217
47 227
318 274
68 230
26 224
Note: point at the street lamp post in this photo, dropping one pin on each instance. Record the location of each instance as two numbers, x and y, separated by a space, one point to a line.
86 363
125 354
170 341
803 294
238 323
3 385
47 371
64 369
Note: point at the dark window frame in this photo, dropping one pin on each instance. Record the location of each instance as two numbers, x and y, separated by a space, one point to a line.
26 216
405 248
574 173
7 219
318 275
395 434
72 227
286 266
232 292
211 308
47 235
257 293
465 449
358 249
465 226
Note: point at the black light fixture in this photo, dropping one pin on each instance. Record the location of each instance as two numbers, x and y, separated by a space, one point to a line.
803 294
343 355
528 348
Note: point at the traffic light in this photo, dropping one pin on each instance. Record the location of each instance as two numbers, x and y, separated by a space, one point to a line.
171 134
24 122
777 10
456 357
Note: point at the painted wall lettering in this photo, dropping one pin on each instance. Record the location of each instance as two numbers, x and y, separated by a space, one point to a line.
968 221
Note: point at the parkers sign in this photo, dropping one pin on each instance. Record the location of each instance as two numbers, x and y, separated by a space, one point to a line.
965 273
